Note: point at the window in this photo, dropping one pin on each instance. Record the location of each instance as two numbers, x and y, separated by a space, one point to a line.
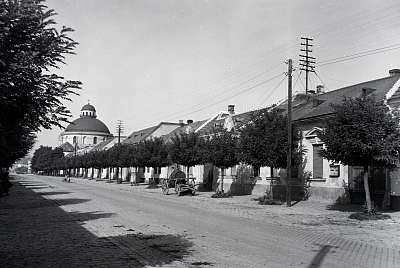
74 139
84 140
94 140
317 162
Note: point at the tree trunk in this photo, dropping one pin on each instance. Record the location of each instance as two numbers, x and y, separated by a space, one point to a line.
366 188
386 198
222 179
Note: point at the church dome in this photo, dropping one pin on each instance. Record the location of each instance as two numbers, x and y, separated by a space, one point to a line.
88 107
87 124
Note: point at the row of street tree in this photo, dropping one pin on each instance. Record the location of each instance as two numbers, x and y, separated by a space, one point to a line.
261 142
31 95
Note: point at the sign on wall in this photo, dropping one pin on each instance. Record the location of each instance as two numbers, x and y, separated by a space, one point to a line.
334 171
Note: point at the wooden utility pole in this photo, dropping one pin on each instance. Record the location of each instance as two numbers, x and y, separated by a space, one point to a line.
289 122
307 63
120 129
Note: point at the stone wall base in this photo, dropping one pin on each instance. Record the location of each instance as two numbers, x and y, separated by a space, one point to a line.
332 194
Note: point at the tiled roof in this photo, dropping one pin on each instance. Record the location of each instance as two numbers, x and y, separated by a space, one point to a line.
141 135
195 125
310 106
238 119
105 145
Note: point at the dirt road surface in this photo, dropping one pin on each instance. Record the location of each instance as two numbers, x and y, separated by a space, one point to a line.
122 225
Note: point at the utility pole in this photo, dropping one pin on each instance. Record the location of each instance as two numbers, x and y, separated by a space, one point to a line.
120 130
307 63
289 122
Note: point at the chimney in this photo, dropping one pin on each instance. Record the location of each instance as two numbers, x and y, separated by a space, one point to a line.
394 72
320 89
189 121
231 109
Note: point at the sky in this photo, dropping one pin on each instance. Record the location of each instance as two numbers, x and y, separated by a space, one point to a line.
149 61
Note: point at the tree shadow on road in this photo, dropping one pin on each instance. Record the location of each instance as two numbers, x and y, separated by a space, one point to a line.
35 231
345 207
54 193
320 256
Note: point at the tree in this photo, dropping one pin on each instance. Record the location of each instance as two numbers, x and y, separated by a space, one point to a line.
186 149
31 95
40 158
362 132
153 153
221 150
264 140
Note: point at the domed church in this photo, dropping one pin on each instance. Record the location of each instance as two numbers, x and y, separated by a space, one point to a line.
87 130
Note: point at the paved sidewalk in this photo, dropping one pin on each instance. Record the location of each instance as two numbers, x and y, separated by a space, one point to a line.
35 232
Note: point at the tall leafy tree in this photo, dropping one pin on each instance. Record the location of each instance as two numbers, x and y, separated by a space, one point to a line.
221 150
362 132
40 158
264 140
186 149
31 94
154 153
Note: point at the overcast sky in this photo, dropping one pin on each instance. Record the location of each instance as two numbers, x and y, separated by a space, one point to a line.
149 61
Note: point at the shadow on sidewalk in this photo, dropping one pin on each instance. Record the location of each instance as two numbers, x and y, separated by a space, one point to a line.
36 232
54 193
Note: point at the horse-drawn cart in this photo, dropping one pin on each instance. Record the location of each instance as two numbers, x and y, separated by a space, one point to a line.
178 181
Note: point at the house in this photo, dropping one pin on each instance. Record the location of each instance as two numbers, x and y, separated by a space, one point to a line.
329 181
333 181
160 130
207 175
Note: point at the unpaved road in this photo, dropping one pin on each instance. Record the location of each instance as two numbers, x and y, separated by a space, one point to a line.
211 236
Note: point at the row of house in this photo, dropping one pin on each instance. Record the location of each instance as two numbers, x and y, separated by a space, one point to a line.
328 181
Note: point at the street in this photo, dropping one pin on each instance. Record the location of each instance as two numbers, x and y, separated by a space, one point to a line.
46 223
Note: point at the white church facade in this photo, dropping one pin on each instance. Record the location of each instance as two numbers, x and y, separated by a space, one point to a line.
85 131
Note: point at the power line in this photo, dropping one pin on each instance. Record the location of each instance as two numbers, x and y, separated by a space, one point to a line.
297 79
359 55
272 91
235 95
227 90
320 79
